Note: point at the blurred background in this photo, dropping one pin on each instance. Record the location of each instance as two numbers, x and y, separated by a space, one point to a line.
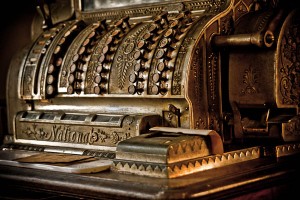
15 33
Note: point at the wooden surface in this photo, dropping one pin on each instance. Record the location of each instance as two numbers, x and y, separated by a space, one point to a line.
266 178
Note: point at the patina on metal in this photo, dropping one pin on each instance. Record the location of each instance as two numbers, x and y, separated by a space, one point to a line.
97 79
175 152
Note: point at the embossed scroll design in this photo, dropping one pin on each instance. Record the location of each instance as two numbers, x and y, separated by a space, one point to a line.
212 66
240 9
290 71
197 70
36 55
177 79
292 128
227 25
212 6
64 133
125 60
197 81
250 81
91 72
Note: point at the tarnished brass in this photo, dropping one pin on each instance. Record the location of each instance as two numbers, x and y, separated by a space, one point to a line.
168 152
257 39
97 79
262 82
186 167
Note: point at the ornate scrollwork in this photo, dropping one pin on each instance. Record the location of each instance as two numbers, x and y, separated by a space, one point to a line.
37 133
250 81
290 72
69 134
125 61
200 124
212 76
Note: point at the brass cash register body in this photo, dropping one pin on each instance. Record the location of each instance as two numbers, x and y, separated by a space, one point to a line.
97 80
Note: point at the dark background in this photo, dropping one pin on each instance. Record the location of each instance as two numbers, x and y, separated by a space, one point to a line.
15 33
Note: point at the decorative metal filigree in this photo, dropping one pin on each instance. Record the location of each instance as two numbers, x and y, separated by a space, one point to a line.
200 124
69 134
290 72
184 168
250 81
212 75
125 60
227 25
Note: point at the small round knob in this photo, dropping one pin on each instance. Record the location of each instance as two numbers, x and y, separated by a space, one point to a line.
97 79
139 55
50 89
51 69
138 67
109 40
143 44
132 77
75 57
102 58
169 33
71 78
164 43
58 61
70 89
132 89
105 49
160 53
50 79
105 58
157 89
158 77
136 77
161 66
97 90
115 35
123 24
150 37
99 68
72 67
92 34
86 42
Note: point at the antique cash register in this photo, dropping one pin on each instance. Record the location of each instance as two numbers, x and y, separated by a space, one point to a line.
155 99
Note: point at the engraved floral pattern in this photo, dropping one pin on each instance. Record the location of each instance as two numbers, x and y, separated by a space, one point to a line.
250 81
290 71
125 61
68 134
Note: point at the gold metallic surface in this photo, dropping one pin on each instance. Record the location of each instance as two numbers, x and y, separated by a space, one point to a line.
95 81
287 149
182 168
